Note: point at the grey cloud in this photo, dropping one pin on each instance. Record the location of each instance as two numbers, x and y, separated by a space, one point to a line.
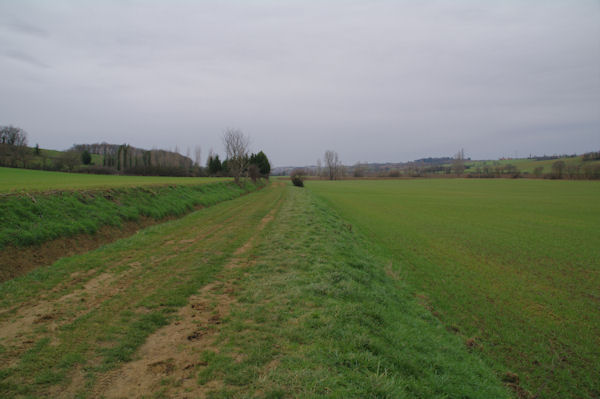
26 58
376 81
26 28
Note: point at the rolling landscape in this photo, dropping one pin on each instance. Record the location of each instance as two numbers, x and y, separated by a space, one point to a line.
346 199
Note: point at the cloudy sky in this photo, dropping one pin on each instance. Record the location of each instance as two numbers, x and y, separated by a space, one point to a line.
374 80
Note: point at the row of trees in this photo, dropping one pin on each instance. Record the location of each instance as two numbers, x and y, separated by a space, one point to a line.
126 159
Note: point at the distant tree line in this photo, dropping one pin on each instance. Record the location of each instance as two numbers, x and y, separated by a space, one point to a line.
126 159
13 146
458 166
105 158
591 156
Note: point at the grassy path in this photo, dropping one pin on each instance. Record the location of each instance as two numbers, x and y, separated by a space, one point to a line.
270 296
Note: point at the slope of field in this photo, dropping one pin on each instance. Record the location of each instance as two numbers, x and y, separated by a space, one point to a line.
512 265
270 295
13 180
28 219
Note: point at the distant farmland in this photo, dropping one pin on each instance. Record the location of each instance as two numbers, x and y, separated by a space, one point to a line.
511 266
12 179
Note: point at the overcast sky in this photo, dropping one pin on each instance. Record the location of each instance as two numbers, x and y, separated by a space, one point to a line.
373 80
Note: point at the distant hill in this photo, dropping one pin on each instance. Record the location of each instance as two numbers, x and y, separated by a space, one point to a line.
584 166
105 159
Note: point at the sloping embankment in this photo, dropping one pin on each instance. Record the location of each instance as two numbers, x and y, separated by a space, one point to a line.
37 229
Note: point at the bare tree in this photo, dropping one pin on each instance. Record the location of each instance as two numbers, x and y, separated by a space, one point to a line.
458 165
198 155
319 168
332 164
360 170
13 145
558 169
69 160
236 149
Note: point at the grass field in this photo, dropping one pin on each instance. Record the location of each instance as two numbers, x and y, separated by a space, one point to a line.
271 295
513 266
14 180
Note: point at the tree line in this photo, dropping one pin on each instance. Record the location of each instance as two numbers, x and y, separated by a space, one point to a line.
330 167
105 158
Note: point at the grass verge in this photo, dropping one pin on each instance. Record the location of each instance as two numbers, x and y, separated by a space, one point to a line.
27 219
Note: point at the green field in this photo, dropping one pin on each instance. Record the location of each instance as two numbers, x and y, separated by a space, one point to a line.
432 288
14 180
271 295
513 266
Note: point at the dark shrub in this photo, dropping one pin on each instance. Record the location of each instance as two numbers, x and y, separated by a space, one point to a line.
297 177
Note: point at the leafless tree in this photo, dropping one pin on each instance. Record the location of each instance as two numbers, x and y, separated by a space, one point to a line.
558 169
360 170
333 165
253 172
236 149
319 168
198 155
458 165
13 145
69 160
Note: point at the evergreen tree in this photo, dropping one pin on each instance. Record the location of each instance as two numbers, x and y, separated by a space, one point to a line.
86 157
262 162
214 165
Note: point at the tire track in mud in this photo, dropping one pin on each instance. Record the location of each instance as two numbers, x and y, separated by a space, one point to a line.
173 351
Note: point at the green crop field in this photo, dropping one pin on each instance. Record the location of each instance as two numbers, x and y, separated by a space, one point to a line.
12 179
512 266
